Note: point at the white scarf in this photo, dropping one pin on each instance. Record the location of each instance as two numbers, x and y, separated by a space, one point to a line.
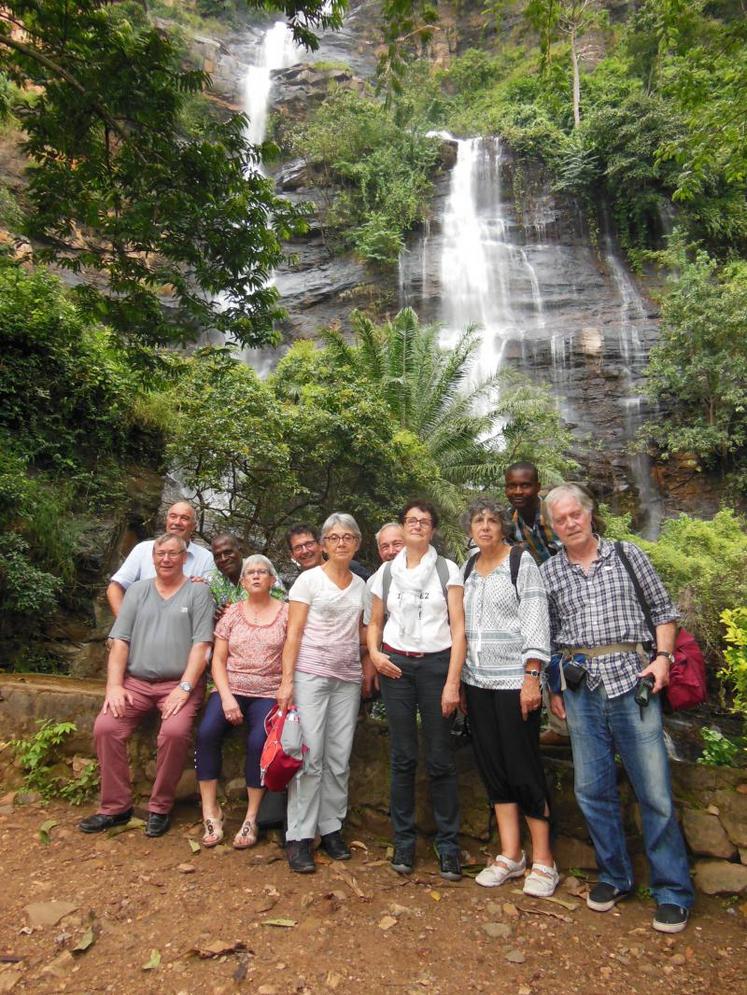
411 584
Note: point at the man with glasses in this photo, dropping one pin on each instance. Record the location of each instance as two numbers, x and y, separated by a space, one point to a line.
180 521
306 551
159 647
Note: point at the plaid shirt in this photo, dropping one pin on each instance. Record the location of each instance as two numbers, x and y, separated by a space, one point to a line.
601 607
541 541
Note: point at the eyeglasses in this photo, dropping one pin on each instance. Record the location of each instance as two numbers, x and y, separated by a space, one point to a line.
335 539
301 546
424 523
167 555
259 572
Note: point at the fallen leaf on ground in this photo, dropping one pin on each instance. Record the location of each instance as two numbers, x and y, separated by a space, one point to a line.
218 948
387 922
153 961
44 830
333 980
9 979
10 959
435 895
574 886
134 823
546 912
271 890
510 910
350 882
515 957
571 906
48 913
86 941
287 923
60 966
266 904
358 845
376 863
186 868
194 846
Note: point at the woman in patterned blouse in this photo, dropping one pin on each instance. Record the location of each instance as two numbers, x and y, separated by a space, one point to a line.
246 670
508 640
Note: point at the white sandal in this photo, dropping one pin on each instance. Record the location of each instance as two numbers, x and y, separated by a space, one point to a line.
501 870
213 830
246 836
541 881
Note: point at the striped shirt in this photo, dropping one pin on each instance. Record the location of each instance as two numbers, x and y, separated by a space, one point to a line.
503 630
601 607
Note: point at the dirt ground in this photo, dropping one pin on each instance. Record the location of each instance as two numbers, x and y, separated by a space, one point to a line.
156 916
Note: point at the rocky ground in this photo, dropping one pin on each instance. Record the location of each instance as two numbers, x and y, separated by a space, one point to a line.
121 913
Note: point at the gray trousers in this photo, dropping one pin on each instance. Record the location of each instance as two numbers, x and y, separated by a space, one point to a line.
318 794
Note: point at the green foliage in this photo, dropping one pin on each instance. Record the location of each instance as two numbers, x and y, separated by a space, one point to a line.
704 567
40 760
734 671
378 169
124 183
698 371
719 750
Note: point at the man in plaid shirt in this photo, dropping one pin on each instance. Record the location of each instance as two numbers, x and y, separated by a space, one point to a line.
596 619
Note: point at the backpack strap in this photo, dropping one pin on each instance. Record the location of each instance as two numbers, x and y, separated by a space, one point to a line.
514 562
386 583
623 557
442 569
469 566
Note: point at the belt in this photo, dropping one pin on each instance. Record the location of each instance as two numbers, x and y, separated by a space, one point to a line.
607 650
414 656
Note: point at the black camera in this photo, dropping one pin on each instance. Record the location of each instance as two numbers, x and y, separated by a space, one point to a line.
644 690
574 674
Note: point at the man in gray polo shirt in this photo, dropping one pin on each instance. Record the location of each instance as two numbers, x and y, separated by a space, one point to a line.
159 645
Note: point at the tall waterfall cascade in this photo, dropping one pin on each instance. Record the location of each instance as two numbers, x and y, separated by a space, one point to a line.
275 50
545 303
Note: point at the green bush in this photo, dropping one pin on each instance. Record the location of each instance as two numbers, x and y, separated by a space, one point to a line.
734 671
41 760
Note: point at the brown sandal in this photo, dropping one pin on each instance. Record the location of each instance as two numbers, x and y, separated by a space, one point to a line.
246 836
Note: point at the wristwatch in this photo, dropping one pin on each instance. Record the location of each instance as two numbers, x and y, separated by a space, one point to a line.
669 656
185 686
533 673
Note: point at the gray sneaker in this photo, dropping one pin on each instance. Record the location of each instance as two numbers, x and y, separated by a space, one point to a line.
670 918
603 896
403 859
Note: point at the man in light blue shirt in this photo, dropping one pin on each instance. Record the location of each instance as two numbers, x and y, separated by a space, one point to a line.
180 521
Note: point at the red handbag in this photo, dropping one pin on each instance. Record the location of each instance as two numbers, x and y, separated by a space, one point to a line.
282 754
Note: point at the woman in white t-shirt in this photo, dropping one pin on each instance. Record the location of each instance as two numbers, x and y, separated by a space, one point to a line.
322 675
419 654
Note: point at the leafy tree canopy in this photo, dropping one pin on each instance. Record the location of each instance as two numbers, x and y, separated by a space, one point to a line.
120 187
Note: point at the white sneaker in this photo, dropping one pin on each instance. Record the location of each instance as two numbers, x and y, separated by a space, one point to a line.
541 881
501 870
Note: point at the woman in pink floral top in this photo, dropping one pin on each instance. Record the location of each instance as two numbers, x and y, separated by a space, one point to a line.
246 669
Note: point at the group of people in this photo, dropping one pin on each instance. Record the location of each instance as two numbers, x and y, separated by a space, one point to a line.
541 589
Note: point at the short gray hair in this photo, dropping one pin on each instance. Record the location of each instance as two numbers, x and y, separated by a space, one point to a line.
501 512
344 521
388 525
257 559
570 491
168 537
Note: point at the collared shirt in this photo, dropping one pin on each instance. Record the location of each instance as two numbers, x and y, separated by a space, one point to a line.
139 563
601 607
224 590
541 541
505 627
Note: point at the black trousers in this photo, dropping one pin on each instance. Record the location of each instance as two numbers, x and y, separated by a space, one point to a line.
507 750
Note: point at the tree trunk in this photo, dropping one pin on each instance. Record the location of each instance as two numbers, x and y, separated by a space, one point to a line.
576 82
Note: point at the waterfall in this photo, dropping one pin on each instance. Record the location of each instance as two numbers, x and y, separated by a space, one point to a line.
528 276
276 50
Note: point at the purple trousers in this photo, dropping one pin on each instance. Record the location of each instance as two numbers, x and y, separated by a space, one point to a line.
111 734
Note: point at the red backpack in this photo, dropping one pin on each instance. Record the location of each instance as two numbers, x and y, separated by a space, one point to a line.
282 754
688 685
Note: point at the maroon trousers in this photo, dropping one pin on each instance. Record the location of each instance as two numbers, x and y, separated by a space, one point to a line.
111 734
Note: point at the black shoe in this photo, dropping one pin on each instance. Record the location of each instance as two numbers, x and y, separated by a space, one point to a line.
403 859
98 823
157 824
300 859
335 846
670 918
603 897
450 865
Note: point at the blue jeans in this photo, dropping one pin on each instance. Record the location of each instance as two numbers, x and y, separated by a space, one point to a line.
419 690
599 728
